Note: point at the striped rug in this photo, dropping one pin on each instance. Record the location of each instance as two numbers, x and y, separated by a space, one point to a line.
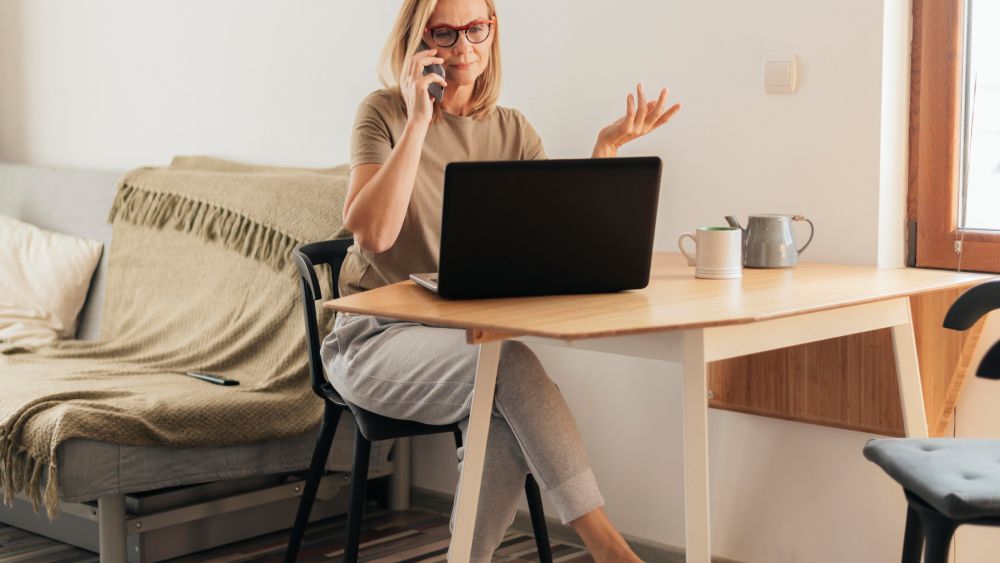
388 537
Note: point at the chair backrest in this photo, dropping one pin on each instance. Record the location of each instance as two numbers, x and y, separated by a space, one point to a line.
969 308
307 257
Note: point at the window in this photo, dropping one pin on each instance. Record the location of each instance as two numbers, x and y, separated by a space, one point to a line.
980 195
954 204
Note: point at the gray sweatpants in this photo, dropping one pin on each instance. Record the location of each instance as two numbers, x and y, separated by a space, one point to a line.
417 372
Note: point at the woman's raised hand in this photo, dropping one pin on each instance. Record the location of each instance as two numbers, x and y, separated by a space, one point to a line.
640 118
419 102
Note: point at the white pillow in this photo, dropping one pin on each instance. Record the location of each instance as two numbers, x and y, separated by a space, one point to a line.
44 277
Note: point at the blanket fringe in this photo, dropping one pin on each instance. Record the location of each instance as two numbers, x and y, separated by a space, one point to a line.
17 469
235 231
51 490
6 471
21 472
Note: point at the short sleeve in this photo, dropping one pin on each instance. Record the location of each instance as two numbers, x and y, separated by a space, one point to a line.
371 138
531 143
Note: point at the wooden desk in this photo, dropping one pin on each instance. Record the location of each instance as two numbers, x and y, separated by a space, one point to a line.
681 319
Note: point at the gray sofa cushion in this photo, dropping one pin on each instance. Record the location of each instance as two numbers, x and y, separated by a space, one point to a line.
90 470
960 477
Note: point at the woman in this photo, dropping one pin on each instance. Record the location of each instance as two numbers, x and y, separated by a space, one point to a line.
401 142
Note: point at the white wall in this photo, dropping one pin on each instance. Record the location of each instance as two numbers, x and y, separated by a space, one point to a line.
113 84
117 84
894 147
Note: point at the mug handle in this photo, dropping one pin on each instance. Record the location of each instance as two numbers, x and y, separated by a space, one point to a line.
812 231
680 245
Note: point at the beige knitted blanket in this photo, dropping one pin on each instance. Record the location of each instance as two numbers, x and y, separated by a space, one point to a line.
199 278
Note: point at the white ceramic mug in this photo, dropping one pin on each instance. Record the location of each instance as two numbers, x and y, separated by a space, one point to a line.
718 252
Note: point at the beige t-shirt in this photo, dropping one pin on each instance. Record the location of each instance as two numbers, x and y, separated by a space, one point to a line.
503 134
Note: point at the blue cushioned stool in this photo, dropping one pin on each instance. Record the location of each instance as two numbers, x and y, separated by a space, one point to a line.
947 481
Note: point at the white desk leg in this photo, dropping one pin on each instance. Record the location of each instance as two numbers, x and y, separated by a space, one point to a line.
475 451
911 394
697 544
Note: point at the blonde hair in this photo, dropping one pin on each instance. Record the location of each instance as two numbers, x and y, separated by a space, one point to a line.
404 41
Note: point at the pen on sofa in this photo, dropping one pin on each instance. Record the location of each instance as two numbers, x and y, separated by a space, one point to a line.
211 378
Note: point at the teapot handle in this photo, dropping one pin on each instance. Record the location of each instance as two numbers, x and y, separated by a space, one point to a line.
812 231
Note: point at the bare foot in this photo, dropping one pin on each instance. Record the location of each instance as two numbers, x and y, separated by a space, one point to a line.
624 553
603 541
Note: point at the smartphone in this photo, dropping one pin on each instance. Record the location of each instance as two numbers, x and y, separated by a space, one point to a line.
434 88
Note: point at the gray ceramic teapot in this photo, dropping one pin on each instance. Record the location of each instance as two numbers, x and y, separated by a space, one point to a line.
768 241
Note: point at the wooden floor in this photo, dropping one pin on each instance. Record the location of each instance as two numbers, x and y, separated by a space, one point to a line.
408 536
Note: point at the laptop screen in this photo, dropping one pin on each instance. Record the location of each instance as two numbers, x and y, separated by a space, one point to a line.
547 226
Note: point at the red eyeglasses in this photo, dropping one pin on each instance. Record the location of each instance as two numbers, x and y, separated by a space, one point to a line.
446 35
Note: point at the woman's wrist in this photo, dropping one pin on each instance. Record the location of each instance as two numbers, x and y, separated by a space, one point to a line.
604 150
416 128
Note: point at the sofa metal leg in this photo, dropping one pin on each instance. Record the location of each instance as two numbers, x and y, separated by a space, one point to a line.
111 526
399 481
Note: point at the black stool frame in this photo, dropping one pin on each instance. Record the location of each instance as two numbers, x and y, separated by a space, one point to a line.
370 426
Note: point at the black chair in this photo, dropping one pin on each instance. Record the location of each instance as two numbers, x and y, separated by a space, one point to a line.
947 482
370 426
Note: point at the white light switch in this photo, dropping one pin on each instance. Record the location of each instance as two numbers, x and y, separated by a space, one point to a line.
780 74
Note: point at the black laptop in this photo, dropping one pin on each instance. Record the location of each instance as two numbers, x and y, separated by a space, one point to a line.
544 227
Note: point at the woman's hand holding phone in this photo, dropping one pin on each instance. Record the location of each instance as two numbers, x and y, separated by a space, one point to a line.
415 86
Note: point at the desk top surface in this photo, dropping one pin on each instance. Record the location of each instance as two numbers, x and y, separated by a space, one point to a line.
673 300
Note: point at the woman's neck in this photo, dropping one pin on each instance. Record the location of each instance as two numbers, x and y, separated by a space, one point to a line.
457 100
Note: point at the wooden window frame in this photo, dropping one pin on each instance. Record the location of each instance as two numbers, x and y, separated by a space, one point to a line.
936 90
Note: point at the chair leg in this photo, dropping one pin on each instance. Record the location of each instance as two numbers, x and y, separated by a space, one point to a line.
913 537
538 519
938 531
359 481
331 415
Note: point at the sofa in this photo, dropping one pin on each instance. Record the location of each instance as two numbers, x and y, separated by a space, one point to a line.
154 503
